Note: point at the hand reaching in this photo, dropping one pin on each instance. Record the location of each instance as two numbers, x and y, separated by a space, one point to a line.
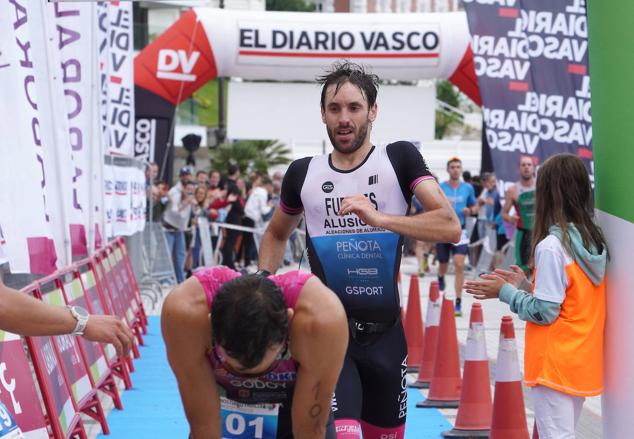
514 277
110 329
488 287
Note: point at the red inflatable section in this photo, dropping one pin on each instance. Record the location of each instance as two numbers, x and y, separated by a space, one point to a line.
178 62
464 77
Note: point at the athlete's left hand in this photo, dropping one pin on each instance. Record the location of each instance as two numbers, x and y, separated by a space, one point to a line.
361 206
488 287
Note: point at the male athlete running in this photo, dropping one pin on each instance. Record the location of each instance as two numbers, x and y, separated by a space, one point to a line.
255 357
522 196
462 198
355 201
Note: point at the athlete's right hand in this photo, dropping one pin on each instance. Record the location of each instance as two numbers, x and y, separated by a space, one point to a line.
514 277
361 206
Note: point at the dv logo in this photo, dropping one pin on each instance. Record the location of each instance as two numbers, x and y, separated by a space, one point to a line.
169 61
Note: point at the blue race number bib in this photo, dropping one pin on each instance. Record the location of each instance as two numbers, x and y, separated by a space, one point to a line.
248 421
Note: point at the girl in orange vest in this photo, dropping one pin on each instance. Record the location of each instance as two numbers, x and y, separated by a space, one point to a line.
565 306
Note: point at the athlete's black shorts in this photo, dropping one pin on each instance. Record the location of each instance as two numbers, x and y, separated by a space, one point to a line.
501 240
523 243
285 426
372 386
444 250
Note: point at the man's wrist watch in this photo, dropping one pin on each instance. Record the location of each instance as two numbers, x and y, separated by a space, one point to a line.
81 316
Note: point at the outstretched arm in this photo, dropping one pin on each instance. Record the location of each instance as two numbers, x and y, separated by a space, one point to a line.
320 340
187 333
274 239
45 319
509 198
438 223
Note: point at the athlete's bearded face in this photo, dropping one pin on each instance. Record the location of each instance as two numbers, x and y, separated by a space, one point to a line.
527 169
347 117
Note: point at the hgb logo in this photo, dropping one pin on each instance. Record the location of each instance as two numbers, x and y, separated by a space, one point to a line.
363 271
169 60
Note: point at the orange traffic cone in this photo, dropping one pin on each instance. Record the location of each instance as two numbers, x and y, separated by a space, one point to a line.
432 321
509 414
474 413
444 390
414 327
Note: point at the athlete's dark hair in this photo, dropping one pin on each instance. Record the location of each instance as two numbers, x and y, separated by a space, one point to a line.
346 71
248 316
563 195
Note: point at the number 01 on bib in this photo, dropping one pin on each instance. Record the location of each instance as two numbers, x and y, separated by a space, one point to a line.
243 421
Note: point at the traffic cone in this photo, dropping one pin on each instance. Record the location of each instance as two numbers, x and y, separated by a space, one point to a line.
414 327
535 432
509 414
474 413
432 321
444 390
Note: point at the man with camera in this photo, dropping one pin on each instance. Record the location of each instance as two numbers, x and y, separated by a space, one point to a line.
176 220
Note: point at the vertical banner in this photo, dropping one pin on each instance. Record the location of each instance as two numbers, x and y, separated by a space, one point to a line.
74 35
27 214
531 60
116 75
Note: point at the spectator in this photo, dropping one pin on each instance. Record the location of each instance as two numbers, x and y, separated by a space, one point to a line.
234 216
257 208
160 197
176 220
565 307
202 179
214 179
25 315
200 208
485 203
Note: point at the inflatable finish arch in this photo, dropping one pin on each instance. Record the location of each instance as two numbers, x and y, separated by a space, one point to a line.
206 43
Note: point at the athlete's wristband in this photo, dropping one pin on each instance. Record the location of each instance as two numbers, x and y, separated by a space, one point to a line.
264 273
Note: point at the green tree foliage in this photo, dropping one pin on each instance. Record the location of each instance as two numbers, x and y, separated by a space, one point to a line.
289 5
446 92
251 155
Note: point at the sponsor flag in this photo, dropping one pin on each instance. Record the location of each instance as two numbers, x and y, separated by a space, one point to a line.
116 79
531 60
30 217
75 38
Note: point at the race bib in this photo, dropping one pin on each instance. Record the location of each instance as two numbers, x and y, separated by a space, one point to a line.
8 427
243 421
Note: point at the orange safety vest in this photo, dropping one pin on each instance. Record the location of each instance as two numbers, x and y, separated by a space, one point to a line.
567 355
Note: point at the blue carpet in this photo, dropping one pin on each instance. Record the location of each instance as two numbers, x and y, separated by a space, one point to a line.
153 409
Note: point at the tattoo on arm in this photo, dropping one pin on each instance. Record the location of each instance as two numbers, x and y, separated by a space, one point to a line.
316 410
